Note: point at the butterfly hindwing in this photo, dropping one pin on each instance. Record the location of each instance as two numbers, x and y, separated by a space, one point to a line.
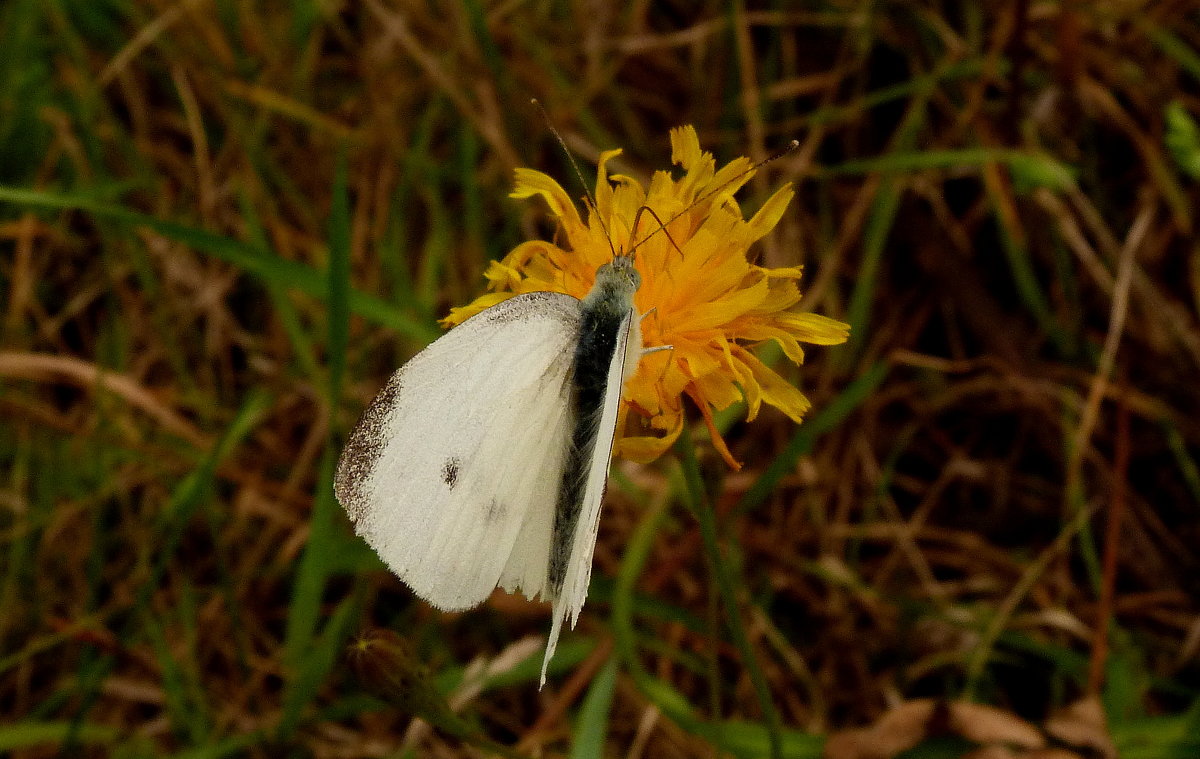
582 543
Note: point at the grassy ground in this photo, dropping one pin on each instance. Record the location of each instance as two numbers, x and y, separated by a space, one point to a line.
995 502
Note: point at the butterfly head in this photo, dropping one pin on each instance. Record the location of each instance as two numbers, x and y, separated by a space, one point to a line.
616 282
620 273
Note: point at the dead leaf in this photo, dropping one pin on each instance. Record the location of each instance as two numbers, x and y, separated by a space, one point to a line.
987 724
1084 725
912 722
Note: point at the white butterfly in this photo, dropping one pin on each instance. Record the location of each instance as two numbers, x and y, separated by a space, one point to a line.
484 460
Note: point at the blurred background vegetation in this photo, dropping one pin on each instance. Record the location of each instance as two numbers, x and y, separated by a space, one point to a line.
223 224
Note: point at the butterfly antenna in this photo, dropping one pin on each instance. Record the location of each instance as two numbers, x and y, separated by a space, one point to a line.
579 174
662 227
792 146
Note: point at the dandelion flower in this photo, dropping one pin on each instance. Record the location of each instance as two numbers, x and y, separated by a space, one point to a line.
704 296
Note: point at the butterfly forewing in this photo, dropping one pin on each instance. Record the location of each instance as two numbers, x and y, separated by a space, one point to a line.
452 473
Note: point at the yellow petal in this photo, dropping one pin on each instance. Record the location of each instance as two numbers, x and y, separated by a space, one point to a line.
752 392
699 165
721 310
775 389
646 448
785 272
732 176
814 328
783 294
502 277
529 251
482 303
604 191
759 332
685 147
693 357
717 441
628 199
767 217
718 389
530 182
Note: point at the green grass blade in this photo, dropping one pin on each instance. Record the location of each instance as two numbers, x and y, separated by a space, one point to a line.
271 268
806 435
186 716
592 726
1183 138
302 344
878 227
1034 170
738 738
477 19
193 491
318 660
1161 737
26 735
235 745
1183 54
1024 276
307 592
339 279
727 586
830 115
26 88
637 553
879 222
1188 468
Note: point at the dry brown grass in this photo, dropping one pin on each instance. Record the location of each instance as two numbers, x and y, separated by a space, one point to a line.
981 524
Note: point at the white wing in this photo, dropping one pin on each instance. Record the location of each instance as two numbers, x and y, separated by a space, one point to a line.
579 566
453 471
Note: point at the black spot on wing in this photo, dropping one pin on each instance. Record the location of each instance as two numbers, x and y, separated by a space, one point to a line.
363 449
366 442
450 471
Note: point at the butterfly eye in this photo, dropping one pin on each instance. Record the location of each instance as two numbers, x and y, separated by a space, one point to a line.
635 277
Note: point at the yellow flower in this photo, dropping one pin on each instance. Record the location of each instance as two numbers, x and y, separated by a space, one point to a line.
709 302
